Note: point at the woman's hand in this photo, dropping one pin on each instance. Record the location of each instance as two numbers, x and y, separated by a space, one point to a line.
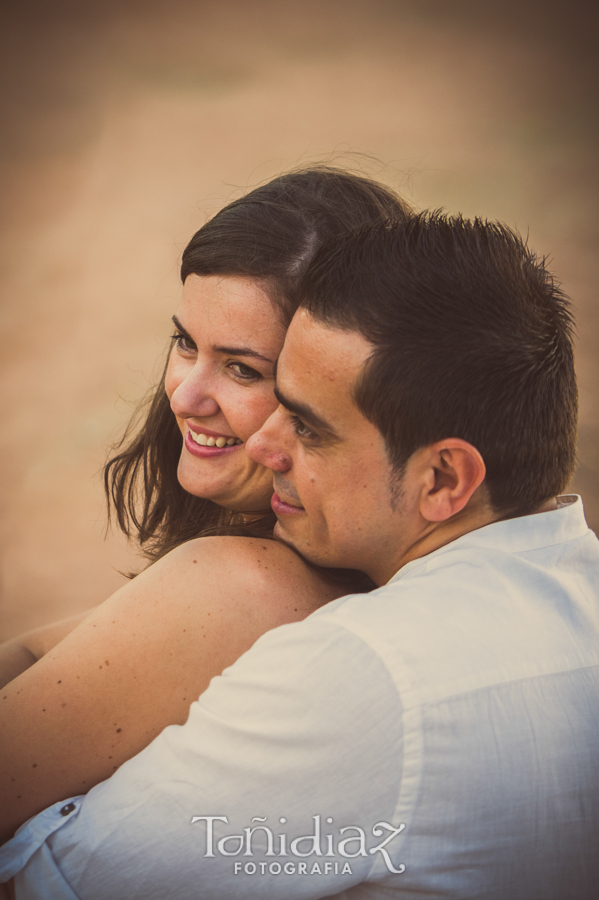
20 653
137 662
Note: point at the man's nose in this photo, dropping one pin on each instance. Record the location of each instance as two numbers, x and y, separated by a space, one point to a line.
266 445
194 396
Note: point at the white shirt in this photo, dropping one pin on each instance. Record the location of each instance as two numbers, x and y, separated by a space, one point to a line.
461 700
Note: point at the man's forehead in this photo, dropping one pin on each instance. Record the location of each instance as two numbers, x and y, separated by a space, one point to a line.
336 352
319 366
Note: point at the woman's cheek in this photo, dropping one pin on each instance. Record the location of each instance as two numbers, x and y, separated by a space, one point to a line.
171 379
257 412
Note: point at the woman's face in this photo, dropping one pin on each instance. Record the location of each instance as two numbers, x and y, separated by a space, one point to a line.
220 381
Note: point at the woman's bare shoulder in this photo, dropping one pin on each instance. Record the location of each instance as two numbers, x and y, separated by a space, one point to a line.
254 551
256 569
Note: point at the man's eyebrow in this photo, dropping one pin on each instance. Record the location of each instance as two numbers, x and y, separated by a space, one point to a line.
229 351
305 412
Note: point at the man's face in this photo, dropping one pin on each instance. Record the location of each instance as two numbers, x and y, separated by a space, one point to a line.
336 496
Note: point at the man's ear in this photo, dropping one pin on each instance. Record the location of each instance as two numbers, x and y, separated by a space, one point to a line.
454 469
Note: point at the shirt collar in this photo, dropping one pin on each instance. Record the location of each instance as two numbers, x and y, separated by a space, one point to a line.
518 535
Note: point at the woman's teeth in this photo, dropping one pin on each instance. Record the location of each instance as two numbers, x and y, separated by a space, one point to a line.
206 441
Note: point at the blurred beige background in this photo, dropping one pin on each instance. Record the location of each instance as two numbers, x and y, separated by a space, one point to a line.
125 124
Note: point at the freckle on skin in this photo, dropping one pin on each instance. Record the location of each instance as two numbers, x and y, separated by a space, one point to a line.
34 766
105 662
59 682
63 704
118 729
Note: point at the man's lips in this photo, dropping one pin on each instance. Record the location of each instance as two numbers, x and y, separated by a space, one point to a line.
281 508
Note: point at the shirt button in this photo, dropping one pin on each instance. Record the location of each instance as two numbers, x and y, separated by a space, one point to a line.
67 809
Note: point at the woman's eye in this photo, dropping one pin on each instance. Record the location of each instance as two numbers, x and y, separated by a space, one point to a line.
243 372
183 343
301 430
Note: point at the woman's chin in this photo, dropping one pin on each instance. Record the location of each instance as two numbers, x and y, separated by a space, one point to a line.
246 492
242 501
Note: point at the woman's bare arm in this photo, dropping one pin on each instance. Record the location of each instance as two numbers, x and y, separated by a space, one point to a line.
22 652
136 662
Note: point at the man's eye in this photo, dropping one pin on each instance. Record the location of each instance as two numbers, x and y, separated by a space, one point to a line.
301 429
183 343
243 372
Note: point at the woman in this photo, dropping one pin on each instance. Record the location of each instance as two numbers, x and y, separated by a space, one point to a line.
198 505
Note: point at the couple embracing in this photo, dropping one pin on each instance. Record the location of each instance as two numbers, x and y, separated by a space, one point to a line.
407 675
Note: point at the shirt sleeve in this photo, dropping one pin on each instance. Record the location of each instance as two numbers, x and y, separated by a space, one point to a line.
283 782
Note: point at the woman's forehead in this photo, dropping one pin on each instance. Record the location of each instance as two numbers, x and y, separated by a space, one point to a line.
222 305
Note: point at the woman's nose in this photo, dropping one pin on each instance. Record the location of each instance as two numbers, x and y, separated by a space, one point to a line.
193 397
266 446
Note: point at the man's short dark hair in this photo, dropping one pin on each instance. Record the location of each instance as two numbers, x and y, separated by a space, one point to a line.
472 338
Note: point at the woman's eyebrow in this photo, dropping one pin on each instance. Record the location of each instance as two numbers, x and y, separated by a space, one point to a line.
241 351
180 328
229 351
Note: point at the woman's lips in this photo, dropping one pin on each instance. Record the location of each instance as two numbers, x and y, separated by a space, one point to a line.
206 452
207 438
280 508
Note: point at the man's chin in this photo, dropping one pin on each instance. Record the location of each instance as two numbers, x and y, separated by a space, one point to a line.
281 533
284 533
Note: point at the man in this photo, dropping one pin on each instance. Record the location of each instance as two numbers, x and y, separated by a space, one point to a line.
437 737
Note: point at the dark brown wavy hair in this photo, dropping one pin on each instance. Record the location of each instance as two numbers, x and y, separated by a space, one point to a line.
271 235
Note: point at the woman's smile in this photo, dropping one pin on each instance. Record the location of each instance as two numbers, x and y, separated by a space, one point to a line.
207 444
